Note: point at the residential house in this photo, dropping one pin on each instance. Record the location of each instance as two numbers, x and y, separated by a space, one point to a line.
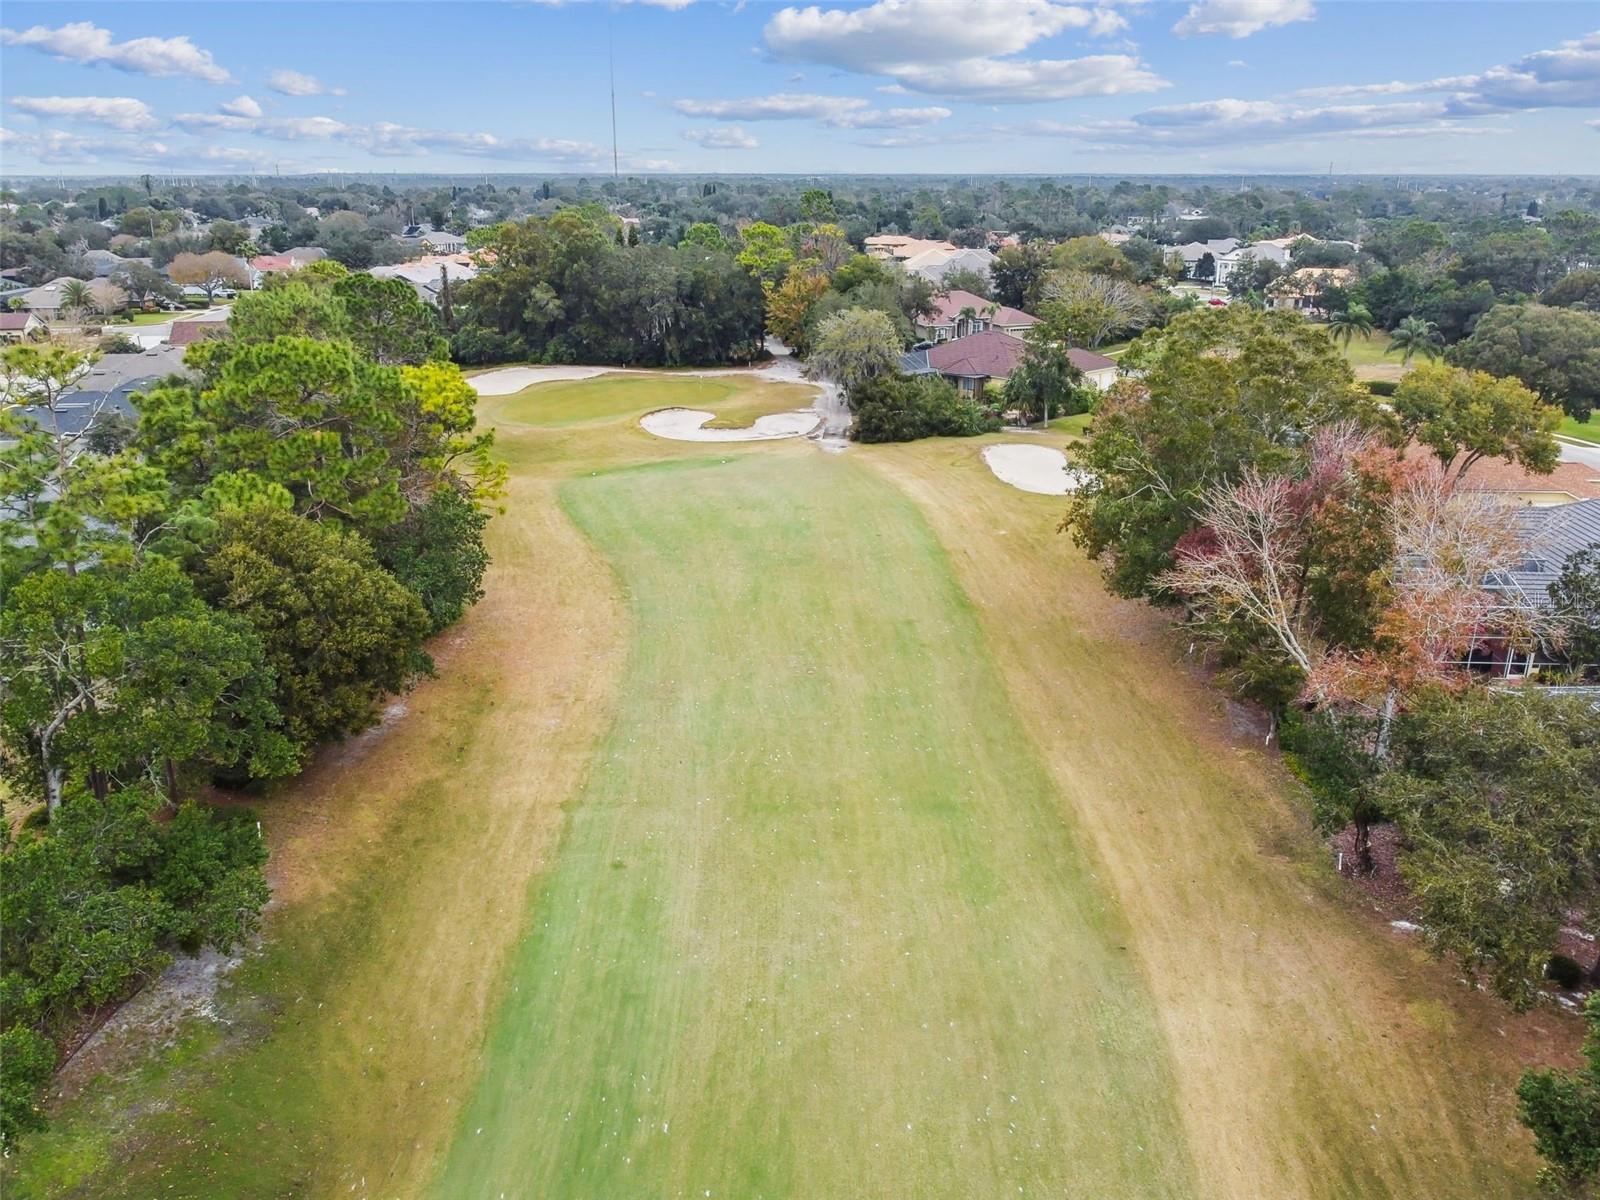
48 300
951 318
1195 254
187 333
1303 290
1553 534
1272 250
22 327
425 274
987 359
291 259
442 241
933 265
105 263
897 247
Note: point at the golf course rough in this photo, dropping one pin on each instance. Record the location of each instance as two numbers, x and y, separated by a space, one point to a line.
815 926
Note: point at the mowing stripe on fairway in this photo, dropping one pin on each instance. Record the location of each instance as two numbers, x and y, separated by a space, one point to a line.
816 926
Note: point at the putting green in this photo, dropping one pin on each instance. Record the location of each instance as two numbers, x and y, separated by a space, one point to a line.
815 926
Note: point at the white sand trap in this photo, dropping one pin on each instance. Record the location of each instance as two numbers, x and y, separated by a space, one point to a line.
683 425
507 380
1038 469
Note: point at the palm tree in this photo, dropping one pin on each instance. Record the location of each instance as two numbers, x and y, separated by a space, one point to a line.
76 298
1414 336
1343 327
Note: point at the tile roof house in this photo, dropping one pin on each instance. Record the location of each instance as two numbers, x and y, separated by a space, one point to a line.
980 359
947 322
898 247
187 333
291 259
933 265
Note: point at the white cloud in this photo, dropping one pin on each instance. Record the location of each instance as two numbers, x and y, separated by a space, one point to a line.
1241 18
284 129
841 112
85 42
781 106
58 148
241 106
891 118
119 112
1359 89
1238 63
960 47
1567 77
1021 81
293 83
391 140
722 137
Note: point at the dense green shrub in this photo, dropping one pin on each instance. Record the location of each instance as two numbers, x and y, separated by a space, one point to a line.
97 905
897 408
437 552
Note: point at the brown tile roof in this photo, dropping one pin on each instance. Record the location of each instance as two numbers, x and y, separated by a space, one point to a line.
1578 480
15 320
990 355
948 306
186 333
1088 360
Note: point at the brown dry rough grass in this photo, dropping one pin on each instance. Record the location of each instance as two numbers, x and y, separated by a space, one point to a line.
1308 1044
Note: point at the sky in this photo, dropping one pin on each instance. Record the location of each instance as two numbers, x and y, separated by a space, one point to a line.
926 86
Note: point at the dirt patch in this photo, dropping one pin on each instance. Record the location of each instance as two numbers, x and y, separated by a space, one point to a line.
185 990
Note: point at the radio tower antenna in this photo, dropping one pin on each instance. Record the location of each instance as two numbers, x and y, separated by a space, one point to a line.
611 69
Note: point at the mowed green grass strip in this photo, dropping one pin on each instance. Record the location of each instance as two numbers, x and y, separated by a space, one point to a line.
815 927
736 399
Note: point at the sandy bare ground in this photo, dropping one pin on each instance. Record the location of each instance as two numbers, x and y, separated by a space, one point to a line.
507 380
1040 469
684 425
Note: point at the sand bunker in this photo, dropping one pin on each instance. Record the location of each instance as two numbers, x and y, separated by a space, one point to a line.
507 380
683 425
1038 469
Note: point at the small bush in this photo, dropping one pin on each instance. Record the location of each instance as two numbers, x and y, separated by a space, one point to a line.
897 408
119 343
1382 387
1566 973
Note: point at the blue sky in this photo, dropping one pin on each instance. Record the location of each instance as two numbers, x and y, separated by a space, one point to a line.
895 85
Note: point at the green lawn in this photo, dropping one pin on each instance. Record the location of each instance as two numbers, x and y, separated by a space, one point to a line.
736 400
1077 424
152 318
1585 431
816 927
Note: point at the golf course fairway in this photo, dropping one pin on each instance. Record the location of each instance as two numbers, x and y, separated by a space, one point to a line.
815 926
794 825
